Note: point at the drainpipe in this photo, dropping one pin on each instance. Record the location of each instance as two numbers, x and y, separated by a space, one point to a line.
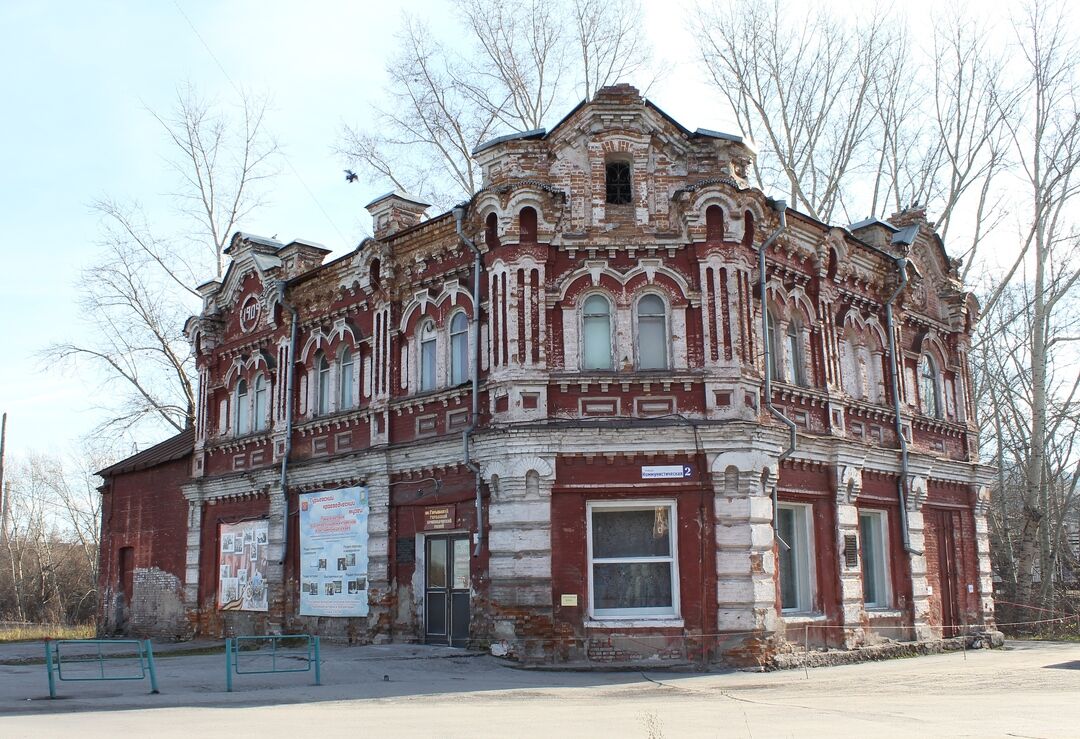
474 371
905 237
295 318
780 207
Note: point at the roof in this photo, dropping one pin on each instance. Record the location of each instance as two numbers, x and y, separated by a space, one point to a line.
169 450
872 222
401 196
536 133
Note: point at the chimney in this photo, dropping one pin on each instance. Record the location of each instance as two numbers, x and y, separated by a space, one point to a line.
395 211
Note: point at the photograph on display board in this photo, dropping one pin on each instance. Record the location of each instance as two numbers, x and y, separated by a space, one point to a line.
333 552
242 582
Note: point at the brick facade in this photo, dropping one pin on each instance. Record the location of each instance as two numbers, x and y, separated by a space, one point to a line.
569 425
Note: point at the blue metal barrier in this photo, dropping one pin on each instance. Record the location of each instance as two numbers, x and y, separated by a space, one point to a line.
54 663
310 656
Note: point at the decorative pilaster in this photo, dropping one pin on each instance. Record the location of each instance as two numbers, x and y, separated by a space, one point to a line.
982 549
191 562
920 592
275 571
848 486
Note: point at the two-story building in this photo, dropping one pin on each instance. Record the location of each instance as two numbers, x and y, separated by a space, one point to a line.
575 418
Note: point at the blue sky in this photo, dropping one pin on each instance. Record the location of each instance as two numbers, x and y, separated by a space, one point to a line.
78 80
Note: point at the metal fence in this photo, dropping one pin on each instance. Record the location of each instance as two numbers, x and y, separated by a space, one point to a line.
95 664
281 657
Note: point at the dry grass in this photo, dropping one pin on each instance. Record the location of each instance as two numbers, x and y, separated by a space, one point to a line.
38 632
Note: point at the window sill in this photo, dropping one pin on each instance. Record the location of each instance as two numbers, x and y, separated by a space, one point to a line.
641 622
802 618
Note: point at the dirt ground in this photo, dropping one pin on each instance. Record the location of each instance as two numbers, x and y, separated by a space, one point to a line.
1029 689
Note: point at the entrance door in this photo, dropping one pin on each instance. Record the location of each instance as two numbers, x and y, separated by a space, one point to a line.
446 590
946 541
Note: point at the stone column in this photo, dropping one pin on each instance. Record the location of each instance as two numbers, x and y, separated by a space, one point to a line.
848 485
191 562
982 548
379 587
745 558
920 594
519 544
275 570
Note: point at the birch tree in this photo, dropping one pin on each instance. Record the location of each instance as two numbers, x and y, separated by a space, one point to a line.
136 297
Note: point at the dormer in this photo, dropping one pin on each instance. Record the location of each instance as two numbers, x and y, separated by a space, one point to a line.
395 211
299 256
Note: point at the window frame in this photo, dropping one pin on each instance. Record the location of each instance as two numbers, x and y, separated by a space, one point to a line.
933 378
584 317
884 598
665 344
610 614
806 574
617 187
455 336
261 387
794 365
242 411
427 334
346 358
321 406
773 363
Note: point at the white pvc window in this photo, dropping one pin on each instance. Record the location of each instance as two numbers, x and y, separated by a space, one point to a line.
795 374
243 409
652 333
427 356
459 349
596 333
796 564
874 548
633 565
322 386
261 394
346 378
929 395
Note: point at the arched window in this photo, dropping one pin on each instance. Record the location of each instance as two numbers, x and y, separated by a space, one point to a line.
714 223
652 333
774 361
527 225
427 356
346 378
243 409
748 228
617 183
850 373
322 386
261 393
596 333
795 367
459 349
491 230
928 387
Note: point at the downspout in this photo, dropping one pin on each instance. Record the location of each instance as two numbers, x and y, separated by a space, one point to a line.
780 207
474 371
295 319
905 237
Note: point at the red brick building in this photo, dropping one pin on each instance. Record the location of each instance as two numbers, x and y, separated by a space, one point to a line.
604 457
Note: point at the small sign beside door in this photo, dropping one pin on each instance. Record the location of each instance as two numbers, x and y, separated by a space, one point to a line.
665 471
439 518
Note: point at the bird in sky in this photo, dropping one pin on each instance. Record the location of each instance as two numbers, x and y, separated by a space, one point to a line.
350 176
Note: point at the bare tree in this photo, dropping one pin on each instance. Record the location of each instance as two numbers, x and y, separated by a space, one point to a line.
135 300
512 65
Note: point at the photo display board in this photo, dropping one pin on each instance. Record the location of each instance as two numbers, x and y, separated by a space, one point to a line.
242 566
334 552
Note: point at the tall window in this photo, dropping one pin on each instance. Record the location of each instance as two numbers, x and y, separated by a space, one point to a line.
796 590
795 371
459 349
527 225
322 386
596 333
632 555
261 393
714 223
928 387
427 356
617 178
774 363
873 550
346 378
243 409
652 333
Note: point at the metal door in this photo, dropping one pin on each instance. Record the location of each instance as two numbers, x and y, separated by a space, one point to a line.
446 590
